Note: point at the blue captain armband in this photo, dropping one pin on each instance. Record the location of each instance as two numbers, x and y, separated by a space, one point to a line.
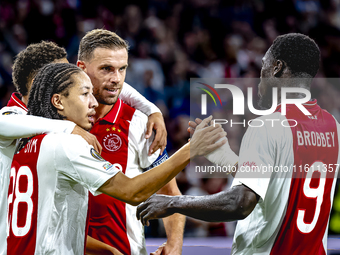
161 158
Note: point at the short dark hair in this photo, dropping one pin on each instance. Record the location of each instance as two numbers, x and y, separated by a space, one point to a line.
50 80
99 38
31 59
300 52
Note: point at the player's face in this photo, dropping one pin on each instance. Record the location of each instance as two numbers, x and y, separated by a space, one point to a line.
266 83
79 105
107 70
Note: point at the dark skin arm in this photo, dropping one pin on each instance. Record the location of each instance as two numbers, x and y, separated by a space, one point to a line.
234 204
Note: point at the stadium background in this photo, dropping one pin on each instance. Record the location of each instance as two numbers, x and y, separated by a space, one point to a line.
172 41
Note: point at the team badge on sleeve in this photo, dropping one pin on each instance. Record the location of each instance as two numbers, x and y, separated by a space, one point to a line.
96 155
8 113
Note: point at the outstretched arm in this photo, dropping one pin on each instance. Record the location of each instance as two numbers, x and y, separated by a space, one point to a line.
139 188
234 204
155 118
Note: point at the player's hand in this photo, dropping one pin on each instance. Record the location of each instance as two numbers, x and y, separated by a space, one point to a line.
166 249
156 122
155 207
89 138
193 125
206 138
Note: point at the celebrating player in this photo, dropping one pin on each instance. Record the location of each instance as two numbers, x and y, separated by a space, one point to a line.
286 215
120 129
51 174
12 127
26 65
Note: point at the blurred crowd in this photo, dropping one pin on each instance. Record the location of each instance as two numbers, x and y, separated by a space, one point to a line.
172 41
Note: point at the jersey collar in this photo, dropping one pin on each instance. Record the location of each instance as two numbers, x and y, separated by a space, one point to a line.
114 113
16 101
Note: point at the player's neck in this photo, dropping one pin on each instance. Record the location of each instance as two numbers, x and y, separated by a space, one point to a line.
102 110
24 99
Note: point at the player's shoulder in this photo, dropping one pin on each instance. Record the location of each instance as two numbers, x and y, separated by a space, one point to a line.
271 127
138 122
137 127
64 141
10 110
267 122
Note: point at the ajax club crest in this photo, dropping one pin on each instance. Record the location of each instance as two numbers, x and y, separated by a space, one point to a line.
112 142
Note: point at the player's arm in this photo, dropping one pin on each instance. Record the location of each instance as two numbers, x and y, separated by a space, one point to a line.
94 247
234 204
258 147
174 224
139 188
133 98
223 156
155 118
14 126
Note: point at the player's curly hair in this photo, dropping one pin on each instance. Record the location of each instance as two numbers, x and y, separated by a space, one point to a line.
99 38
51 79
300 52
30 60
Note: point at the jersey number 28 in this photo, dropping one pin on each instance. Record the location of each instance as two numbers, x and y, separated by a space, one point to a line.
20 195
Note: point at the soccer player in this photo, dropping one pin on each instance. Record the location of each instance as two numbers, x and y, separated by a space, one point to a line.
51 174
120 129
282 213
12 127
26 65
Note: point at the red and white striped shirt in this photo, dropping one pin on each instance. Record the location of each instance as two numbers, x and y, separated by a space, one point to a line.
296 182
122 136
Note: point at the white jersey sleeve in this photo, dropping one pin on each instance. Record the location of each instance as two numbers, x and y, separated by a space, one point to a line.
76 159
257 153
14 124
133 98
138 141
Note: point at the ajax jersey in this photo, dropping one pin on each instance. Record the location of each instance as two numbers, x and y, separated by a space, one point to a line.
48 194
296 167
121 134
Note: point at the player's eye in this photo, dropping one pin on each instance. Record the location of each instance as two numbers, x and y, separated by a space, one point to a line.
106 68
86 94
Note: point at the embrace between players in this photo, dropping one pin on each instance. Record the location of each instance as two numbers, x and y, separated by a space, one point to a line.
52 170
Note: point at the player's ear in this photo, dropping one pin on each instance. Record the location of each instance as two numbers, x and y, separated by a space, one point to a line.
57 102
81 64
279 67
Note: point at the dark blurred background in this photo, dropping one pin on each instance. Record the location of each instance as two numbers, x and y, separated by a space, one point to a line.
172 41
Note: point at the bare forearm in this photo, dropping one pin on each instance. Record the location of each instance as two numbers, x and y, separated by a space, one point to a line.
139 188
174 224
224 206
174 228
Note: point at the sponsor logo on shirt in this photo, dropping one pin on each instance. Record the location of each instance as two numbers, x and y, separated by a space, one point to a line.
112 142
